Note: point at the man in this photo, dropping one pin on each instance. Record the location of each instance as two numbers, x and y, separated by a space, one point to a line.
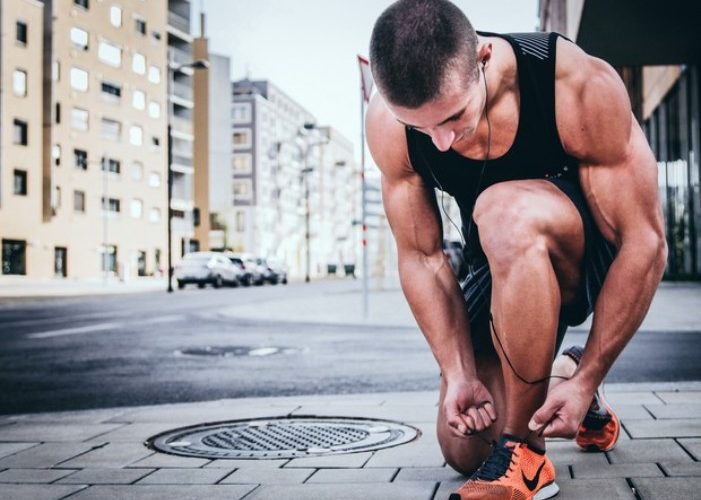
558 195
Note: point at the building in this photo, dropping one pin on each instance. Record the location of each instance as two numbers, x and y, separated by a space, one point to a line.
85 156
656 49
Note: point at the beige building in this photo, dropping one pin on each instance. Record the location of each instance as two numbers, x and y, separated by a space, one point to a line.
95 202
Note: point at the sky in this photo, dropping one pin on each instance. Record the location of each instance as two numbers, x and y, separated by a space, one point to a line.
309 48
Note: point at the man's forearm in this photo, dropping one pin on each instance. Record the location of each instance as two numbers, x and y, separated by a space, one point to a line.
620 308
435 299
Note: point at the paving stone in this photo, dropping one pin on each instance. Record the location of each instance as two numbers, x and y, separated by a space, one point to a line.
669 488
246 464
350 460
353 476
680 397
428 474
185 476
647 450
414 490
7 449
135 433
685 410
105 476
37 491
160 492
70 417
687 427
45 455
53 432
422 452
429 398
33 475
626 412
407 414
446 487
608 489
269 476
564 453
682 469
630 398
163 461
693 446
178 416
113 455
588 471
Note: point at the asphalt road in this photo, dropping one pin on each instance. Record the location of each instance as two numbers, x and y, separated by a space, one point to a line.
94 352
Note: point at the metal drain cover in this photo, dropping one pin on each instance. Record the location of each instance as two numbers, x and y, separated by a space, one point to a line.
236 351
278 438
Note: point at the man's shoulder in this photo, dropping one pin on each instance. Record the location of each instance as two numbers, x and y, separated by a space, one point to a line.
386 139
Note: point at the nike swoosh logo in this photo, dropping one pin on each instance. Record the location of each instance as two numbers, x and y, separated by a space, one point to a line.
531 484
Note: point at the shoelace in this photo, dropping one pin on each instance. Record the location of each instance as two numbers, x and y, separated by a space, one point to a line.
496 464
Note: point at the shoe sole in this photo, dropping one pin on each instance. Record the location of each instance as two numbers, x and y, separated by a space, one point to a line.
548 491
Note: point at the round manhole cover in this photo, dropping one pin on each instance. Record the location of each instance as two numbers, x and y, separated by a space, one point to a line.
236 351
277 438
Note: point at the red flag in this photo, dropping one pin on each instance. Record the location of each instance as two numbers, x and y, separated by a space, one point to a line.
365 77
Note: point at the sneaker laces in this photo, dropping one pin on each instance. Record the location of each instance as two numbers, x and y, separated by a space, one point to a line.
498 462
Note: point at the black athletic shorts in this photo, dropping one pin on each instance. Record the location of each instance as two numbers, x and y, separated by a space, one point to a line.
598 255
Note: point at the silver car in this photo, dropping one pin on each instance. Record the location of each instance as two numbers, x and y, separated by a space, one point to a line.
202 268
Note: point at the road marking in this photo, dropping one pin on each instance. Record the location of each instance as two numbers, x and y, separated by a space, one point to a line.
101 327
73 331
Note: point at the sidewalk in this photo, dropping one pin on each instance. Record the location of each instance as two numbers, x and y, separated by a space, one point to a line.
15 287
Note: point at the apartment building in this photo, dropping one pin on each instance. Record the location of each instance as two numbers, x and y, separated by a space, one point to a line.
656 49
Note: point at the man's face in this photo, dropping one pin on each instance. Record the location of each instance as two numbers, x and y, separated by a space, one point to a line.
450 118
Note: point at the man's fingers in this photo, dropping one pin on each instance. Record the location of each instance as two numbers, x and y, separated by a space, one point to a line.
486 418
488 406
543 416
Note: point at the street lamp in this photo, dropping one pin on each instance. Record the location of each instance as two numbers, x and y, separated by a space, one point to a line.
304 143
197 64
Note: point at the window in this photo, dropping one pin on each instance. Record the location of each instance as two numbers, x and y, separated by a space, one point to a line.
111 165
156 36
242 138
137 171
20 132
242 163
14 256
115 16
240 221
56 71
111 91
138 99
81 159
82 3
242 189
56 199
155 142
56 154
109 259
79 79
60 262
140 25
21 32
79 201
141 263
79 38
138 63
154 109
79 119
57 113
19 82
136 208
154 74
110 205
154 179
20 182
242 112
109 53
111 129
136 135
154 215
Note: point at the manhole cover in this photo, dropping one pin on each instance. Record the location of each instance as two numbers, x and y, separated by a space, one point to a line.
277 438
236 351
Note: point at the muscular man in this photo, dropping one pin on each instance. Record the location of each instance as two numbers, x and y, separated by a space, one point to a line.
557 189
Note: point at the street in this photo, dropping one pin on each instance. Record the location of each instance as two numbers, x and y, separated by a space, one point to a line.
155 348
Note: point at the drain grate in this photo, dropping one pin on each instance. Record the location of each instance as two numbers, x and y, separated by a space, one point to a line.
278 438
236 351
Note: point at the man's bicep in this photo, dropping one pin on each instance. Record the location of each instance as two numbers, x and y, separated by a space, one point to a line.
412 214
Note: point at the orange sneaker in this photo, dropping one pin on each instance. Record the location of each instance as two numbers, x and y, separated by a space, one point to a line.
513 471
600 429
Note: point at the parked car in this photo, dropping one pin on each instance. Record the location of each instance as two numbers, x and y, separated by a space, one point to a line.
246 277
454 251
255 273
275 272
202 268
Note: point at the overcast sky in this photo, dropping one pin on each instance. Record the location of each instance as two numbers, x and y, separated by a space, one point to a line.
308 48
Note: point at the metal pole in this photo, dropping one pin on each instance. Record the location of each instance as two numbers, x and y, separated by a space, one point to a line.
168 211
105 207
307 238
363 207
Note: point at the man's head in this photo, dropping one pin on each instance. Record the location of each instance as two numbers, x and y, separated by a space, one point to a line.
417 46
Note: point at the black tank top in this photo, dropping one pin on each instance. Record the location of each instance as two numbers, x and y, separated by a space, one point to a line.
536 152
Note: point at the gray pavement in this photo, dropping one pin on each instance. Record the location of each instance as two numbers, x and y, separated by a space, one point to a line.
100 453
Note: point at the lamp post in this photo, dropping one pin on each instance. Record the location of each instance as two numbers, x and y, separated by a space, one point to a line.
197 64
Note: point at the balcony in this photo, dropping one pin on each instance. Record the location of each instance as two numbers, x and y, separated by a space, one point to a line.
182 125
183 91
178 22
177 56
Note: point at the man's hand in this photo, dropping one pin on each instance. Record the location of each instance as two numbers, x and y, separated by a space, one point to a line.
469 407
564 409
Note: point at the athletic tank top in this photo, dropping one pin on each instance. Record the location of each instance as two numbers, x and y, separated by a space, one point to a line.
536 152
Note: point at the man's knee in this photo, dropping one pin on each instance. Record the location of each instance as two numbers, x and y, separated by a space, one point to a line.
464 454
